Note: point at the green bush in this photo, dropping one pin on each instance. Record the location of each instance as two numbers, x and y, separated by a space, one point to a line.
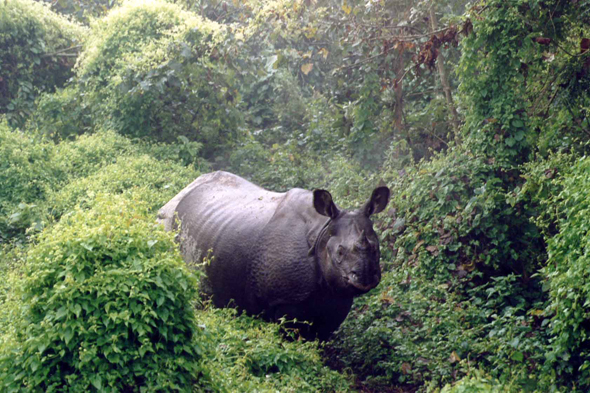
155 182
568 275
542 186
32 168
62 114
43 180
477 383
88 153
449 297
150 69
11 261
279 168
107 306
248 354
409 331
454 217
30 37
27 174
413 331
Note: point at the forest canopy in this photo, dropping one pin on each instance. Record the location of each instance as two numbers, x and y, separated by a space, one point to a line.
474 113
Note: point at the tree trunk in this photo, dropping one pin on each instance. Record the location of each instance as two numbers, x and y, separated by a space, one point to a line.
399 92
440 63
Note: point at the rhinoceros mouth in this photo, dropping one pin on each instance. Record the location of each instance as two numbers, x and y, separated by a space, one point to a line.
352 280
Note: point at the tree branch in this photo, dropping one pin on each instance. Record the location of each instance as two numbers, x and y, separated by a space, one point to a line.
61 52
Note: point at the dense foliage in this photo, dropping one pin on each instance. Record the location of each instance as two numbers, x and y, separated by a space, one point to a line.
474 113
107 304
567 272
36 55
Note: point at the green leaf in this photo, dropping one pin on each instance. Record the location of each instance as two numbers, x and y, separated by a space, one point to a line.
68 335
61 312
272 63
77 310
96 381
517 356
517 123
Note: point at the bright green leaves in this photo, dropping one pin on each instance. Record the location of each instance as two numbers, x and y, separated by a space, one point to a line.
104 328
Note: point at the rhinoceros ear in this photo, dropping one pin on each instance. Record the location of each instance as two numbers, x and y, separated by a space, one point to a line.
378 201
323 203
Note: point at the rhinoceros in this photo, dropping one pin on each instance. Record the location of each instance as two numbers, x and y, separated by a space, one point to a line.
293 254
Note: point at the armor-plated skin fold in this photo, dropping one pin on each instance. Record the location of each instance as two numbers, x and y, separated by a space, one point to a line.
293 254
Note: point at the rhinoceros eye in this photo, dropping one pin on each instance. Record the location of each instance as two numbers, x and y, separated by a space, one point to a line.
340 253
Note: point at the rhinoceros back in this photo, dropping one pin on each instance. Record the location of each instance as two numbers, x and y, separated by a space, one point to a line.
225 214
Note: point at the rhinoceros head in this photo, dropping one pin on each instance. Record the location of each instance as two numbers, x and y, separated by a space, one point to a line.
347 247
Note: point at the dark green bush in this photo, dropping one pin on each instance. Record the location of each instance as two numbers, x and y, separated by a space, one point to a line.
107 306
413 331
150 69
568 275
405 332
449 299
248 354
454 216
31 37
62 114
542 186
279 168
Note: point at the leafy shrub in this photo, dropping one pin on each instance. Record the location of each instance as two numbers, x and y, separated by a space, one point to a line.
43 179
88 153
539 192
184 152
513 335
477 383
279 168
82 11
454 217
568 275
31 36
27 173
11 261
413 331
150 69
107 305
408 331
248 354
449 299
156 182
32 168
62 114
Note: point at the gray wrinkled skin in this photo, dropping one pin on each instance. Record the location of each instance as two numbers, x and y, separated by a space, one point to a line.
292 254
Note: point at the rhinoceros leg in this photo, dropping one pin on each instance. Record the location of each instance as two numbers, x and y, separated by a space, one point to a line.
325 316
330 315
